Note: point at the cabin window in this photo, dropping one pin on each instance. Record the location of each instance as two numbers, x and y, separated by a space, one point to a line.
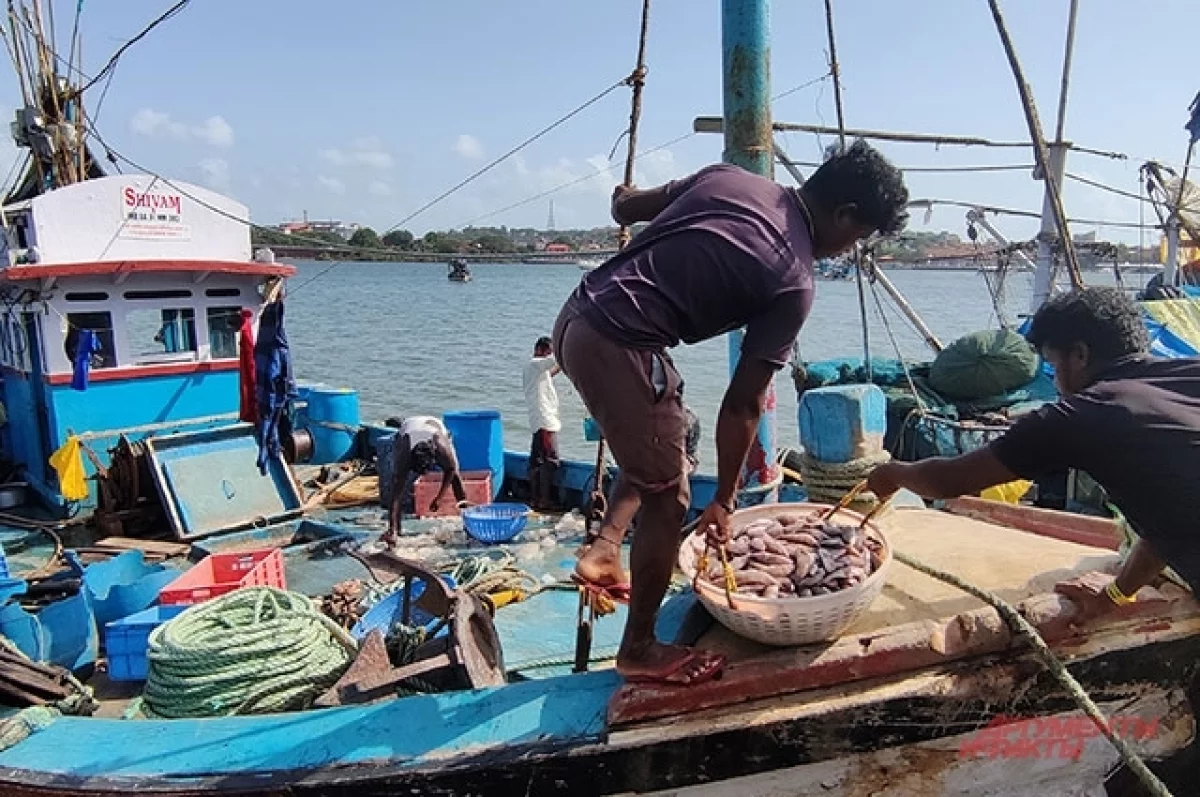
163 294
223 293
165 335
100 324
21 232
87 296
223 326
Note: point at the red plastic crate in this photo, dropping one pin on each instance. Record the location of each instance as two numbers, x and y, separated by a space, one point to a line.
220 573
478 484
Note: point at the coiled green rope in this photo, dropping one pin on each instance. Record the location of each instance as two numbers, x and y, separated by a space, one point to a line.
254 651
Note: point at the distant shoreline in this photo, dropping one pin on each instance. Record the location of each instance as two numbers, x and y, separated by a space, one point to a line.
524 259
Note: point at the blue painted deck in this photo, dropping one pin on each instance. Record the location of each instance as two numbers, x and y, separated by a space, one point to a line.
406 732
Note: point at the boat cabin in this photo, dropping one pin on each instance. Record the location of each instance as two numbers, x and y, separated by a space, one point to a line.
159 274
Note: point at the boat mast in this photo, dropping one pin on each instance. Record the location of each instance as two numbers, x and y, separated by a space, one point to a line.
1043 280
746 73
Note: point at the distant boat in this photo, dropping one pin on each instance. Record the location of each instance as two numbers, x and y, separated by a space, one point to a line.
459 271
589 264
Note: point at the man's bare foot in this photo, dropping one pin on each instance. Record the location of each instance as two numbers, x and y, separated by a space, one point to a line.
390 540
600 563
670 664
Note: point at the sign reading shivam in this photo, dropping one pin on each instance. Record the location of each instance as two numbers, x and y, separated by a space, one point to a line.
152 215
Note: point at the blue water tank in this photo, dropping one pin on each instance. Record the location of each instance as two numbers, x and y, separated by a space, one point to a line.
842 422
478 437
333 422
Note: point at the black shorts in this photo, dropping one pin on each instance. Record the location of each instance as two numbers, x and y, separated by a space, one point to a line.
544 449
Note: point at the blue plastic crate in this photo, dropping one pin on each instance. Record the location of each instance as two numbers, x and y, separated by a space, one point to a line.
493 523
126 641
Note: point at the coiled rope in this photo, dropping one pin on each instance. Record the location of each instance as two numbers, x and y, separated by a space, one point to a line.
483 575
832 480
254 651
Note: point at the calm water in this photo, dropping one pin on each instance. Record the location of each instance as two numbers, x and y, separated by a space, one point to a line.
412 342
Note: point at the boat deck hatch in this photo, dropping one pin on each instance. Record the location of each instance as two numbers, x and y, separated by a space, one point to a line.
209 482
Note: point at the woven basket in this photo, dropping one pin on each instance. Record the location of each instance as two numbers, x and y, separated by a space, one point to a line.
789 620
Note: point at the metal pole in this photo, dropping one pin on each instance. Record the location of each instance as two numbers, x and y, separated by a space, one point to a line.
1066 72
978 217
637 80
1050 163
907 309
835 73
788 164
746 72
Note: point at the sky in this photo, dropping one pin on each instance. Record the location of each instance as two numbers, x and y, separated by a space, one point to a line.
364 111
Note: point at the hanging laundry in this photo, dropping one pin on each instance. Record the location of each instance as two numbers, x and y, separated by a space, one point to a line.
87 345
248 407
275 384
67 462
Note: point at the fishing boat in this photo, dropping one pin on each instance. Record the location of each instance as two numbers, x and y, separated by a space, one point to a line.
511 690
834 269
458 271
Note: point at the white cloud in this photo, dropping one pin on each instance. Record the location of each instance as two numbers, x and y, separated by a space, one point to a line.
368 152
331 184
216 173
152 123
214 131
469 147
379 188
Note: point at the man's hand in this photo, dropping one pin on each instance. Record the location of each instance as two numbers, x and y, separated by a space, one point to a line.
1087 593
886 479
619 193
714 522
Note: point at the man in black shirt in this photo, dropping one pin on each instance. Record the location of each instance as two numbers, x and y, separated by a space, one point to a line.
1129 420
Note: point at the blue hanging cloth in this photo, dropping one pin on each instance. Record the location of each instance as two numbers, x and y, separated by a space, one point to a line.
87 345
1193 125
275 384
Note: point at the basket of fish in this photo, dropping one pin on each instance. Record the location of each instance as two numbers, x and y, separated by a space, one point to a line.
798 578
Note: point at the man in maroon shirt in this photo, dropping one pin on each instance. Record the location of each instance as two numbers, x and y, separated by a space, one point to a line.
724 249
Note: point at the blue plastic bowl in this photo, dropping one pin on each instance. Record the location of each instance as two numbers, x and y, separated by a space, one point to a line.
493 523
383 615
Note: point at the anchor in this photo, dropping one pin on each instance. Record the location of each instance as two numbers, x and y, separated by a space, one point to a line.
467 657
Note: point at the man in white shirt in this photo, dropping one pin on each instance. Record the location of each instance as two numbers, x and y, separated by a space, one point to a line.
542 401
422 442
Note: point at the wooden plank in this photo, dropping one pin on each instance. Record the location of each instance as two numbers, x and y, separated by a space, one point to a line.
1069 526
889 651
160 547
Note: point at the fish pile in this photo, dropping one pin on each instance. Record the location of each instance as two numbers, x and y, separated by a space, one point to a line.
794 556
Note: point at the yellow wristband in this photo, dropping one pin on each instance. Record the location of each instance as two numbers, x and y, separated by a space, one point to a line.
1116 596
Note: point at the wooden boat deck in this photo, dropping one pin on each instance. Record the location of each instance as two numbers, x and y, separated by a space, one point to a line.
924 669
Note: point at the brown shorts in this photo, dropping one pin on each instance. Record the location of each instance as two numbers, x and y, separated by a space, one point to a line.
645 425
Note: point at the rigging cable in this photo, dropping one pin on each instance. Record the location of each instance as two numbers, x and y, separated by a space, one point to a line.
496 162
841 122
112 62
563 186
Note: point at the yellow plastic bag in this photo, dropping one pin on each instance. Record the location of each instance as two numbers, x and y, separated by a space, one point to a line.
1009 493
67 461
